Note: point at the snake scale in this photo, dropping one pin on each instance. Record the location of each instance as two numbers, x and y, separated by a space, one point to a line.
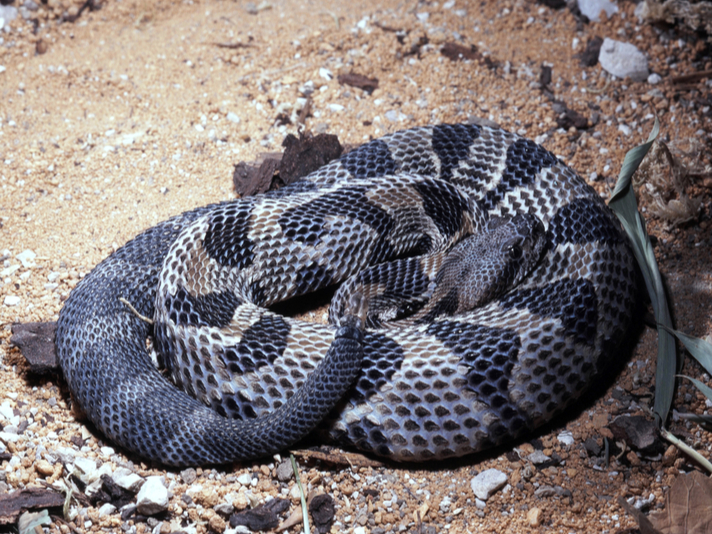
244 381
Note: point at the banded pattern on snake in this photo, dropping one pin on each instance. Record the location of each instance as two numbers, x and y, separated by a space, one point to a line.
442 385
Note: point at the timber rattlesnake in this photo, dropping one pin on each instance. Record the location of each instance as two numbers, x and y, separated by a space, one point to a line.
448 383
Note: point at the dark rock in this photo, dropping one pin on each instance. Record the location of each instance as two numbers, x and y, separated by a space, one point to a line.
36 342
545 76
638 432
592 447
322 511
264 517
512 456
111 493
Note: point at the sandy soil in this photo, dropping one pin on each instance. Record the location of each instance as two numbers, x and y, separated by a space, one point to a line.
138 111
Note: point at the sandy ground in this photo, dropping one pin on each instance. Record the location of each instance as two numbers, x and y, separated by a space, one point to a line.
138 111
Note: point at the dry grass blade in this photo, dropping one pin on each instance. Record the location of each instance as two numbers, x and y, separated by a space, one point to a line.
699 349
624 204
302 494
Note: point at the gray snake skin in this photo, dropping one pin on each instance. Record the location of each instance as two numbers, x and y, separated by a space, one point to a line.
445 385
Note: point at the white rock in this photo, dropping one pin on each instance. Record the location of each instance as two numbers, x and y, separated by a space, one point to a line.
624 129
129 139
9 271
7 13
6 437
232 117
153 497
88 469
623 60
487 483
654 78
6 411
11 300
245 479
106 509
325 74
480 504
127 479
538 457
27 257
592 8
566 437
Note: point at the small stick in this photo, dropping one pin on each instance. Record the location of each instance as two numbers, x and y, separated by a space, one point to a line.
135 311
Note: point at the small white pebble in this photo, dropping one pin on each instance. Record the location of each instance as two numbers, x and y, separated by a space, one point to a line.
11 300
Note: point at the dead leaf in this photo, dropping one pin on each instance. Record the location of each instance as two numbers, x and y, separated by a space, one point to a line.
687 506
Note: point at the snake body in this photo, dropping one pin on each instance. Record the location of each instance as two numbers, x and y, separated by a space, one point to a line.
444 385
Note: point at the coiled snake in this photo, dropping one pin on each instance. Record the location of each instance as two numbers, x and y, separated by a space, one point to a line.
436 379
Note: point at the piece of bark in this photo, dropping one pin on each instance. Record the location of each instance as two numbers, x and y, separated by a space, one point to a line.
13 504
458 52
36 343
589 57
336 457
263 517
306 154
254 179
359 80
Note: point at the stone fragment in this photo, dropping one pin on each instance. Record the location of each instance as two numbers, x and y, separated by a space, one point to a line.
27 258
7 13
566 438
623 60
285 471
153 497
487 483
592 9
538 457
11 300
88 471
127 479
106 509
638 432
188 475
245 479
44 468
534 517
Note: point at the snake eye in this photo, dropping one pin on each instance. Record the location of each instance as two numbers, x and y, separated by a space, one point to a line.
513 249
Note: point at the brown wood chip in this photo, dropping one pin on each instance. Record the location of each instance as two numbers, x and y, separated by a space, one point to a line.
359 80
13 504
338 458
